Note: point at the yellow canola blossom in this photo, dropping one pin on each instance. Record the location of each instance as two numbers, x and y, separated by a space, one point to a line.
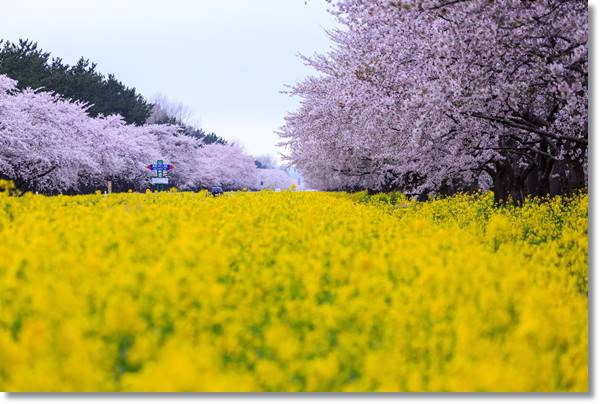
292 291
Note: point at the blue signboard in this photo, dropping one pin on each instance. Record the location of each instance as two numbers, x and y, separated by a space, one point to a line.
160 167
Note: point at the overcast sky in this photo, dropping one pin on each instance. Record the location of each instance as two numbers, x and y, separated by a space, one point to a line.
227 59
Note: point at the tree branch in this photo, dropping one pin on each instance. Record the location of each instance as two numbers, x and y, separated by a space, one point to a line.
528 128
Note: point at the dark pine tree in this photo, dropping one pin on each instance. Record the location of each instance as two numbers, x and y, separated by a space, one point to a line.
32 67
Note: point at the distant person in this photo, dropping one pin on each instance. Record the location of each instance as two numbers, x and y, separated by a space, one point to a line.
216 191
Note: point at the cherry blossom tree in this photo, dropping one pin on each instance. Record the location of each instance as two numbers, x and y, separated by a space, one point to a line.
273 178
226 166
44 141
439 96
51 145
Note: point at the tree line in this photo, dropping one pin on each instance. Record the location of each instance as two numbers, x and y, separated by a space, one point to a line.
35 68
70 129
51 145
440 96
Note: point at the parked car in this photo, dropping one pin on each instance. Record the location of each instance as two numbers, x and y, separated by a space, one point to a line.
216 191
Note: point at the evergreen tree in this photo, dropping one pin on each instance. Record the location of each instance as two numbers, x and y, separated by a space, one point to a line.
33 67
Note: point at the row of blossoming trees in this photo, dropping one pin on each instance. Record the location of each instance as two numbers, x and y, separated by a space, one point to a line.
51 145
447 95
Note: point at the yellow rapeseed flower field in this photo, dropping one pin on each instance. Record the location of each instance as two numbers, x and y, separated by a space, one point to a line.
292 291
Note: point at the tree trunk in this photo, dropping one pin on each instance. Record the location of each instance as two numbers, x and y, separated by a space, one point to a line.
508 187
576 177
501 181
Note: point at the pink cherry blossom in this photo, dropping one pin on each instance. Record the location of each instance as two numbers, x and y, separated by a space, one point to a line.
439 96
50 144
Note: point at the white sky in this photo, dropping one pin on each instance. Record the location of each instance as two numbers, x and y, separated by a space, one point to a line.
227 59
